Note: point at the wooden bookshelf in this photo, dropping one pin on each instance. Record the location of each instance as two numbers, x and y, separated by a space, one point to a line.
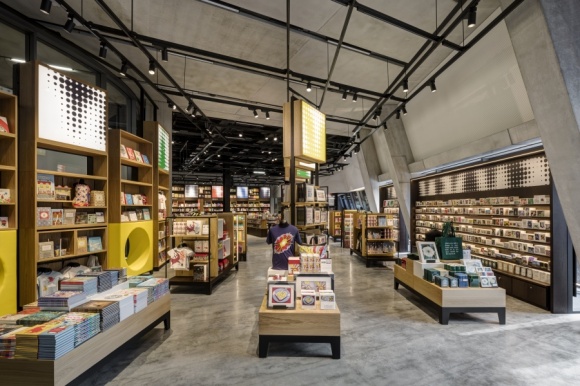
240 237
375 237
335 224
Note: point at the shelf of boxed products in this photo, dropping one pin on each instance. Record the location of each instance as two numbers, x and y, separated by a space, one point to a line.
335 224
240 236
348 228
377 237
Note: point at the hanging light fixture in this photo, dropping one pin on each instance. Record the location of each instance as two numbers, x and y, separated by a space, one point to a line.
405 85
404 110
70 23
124 68
344 95
240 134
267 115
356 149
190 106
151 67
355 97
193 114
398 114
472 17
103 50
255 113
432 85
308 86
275 138
45 6
164 54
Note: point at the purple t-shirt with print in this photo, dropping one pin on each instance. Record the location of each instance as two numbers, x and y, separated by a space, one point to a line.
282 238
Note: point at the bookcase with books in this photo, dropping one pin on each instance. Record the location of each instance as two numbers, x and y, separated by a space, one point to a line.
63 188
240 237
375 237
8 201
131 196
311 206
347 239
210 237
161 141
390 205
335 224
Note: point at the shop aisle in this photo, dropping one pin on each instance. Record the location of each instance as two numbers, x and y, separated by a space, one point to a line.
387 339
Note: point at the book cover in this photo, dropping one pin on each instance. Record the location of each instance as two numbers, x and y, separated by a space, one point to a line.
100 217
81 218
133 216
3 222
138 156
82 244
46 249
44 216
125 217
145 159
129 199
124 152
139 214
57 216
137 199
4 128
69 216
91 218
146 214
123 199
5 196
95 244
130 153
45 186
143 199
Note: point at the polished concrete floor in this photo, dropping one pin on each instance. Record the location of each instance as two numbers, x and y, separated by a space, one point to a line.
388 338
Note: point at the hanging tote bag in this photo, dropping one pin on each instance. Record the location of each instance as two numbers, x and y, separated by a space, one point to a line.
450 246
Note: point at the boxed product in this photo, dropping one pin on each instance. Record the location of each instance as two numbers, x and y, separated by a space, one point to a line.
453 281
441 281
308 299
293 265
473 279
327 300
200 272
429 274
462 279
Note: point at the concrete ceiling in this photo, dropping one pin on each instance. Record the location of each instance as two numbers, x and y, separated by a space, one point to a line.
201 26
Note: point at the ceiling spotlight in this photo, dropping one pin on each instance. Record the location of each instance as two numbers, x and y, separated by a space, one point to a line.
266 138
240 135
356 149
190 106
151 67
355 97
70 23
267 115
471 17
269 152
275 138
219 155
385 125
124 68
103 50
404 110
193 113
377 114
45 6
432 85
164 54
308 86
398 114
345 157
405 85
344 95
255 113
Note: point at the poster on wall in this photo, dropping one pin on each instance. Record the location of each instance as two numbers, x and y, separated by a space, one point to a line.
70 111
191 191
217 191
265 193
164 149
242 192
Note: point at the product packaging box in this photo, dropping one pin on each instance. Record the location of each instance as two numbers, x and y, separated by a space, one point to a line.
429 274
453 282
327 300
419 267
473 279
441 281
293 265
308 299
462 279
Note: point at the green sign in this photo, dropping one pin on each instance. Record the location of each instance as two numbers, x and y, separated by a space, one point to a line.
302 173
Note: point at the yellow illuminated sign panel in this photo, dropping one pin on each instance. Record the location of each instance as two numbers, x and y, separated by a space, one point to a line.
309 132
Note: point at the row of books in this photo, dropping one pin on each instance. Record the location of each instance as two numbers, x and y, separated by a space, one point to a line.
133 199
47 216
134 155
136 215
49 249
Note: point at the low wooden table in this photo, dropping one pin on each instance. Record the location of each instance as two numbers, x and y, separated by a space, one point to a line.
453 300
298 325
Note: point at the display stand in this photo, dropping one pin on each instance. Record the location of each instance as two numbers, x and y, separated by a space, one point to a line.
257 226
390 205
240 237
452 300
375 237
335 225
298 325
347 240
70 366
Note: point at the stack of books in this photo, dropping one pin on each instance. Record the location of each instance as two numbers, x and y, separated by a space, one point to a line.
125 300
56 342
39 318
8 340
88 285
108 311
105 279
140 296
27 341
134 281
121 274
62 300
86 325
114 277
160 287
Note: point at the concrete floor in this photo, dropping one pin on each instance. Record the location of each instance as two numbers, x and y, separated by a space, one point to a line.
388 338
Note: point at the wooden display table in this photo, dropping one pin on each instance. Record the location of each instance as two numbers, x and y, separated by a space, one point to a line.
453 300
68 367
298 325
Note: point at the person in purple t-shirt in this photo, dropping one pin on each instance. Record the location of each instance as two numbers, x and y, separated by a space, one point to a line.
282 238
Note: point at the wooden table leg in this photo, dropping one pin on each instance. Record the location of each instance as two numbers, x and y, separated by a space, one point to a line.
263 343
396 284
335 347
167 321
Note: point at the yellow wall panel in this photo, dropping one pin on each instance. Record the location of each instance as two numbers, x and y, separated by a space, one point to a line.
141 245
7 272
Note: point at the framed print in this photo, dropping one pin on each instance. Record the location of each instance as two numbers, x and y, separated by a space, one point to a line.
313 282
427 251
309 193
281 294
320 195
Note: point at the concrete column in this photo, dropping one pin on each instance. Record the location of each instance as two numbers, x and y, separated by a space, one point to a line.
543 34
370 171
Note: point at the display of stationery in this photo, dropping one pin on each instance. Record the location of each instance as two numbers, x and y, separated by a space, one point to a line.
45 188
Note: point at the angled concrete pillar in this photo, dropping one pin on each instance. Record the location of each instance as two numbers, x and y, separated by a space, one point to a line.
544 35
370 171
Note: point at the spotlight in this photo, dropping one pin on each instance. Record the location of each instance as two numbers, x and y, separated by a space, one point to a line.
219 156
398 114
193 114
190 106
344 95
275 138
385 125
356 149
151 67
345 157
432 85
45 6
240 135
124 68
405 85
103 50
70 23
266 138
355 97
471 17
255 114
267 115
377 114
404 110
164 54
308 86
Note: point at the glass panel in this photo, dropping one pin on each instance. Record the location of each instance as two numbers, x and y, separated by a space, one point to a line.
12 47
62 162
61 62
117 108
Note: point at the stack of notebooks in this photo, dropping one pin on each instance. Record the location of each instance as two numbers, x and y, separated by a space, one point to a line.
114 277
27 341
125 300
108 311
105 279
8 340
86 325
88 285
56 342
160 287
39 317
134 281
121 274
62 300
139 295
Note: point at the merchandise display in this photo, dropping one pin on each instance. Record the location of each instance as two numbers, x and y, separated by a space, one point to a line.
282 238
375 237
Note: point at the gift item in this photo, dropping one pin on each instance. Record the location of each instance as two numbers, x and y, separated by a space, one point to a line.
82 194
98 198
308 300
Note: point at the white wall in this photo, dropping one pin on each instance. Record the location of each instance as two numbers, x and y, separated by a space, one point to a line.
479 95
348 179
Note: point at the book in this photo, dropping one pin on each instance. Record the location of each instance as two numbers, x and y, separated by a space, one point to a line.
56 216
44 216
95 244
46 249
146 214
45 186
81 218
143 199
137 199
125 217
139 214
123 199
129 199
124 152
4 128
5 196
145 159
133 216
3 222
69 216
82 244
138 156
130 153
100 217
91 218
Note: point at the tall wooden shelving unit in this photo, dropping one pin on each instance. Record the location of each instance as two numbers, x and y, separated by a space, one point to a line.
159 137
348 223
240 237
390 205
335 224
61 158
375 239
131 242
8 210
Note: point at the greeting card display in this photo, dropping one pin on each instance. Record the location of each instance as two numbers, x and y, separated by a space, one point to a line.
5 196
281 295
124 152
45 187
44 216
314 282
427 251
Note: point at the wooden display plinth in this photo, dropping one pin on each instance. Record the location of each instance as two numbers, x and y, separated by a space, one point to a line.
68 367
373 258
453 300
298 325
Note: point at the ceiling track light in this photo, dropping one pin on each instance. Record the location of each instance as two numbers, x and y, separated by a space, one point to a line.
275 138
472 17
190 106
151 67
164 54
69 26
398 114
103 50
193 114
267 115
256 113
404 110
124 68
355 97
344 95
432 85
356 149
308 86
240 135
45 6
405 85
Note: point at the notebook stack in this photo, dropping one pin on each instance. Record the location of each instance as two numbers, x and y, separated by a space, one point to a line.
121 274
88 285
8 340
114 277
86 325
139 295
39 317
105 279
12 319
27 341
31 306
62 300
134 281
160 287
56 342
108 311
125 300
